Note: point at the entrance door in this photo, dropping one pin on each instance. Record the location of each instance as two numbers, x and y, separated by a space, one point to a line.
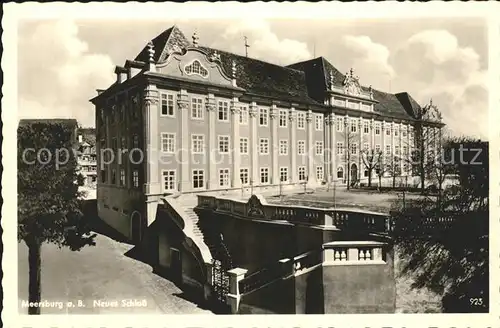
354 173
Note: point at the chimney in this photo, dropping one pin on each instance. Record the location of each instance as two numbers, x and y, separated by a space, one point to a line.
121 74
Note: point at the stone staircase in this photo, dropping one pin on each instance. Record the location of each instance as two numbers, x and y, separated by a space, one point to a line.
212 241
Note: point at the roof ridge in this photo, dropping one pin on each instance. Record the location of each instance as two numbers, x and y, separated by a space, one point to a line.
255 59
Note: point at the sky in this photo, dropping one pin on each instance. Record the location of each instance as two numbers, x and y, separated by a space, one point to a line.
61 63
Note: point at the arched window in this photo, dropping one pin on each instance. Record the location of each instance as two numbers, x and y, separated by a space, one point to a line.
196 68
340 172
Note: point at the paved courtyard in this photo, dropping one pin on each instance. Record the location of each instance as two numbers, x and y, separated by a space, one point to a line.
103 272
341 197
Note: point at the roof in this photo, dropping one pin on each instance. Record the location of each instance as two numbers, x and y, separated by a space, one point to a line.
266 79
88 135
164 44
304 82
318 72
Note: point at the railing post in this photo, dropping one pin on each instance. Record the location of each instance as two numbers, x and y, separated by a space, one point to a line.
207 288
234 296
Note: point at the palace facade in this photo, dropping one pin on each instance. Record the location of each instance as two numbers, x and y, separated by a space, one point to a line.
185 118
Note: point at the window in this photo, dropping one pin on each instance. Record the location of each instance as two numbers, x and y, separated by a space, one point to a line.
283 174
366 147
404 133
318 122
377 129
319 147
243 145
224 144
354 127
135 141
196 68
264 146
223 110
302 173
197 108
354 148
340 124
244 176
340 148
396 150
388 149
167 104
283 118
405 150
244 115
168 142
320 176
301 119
113 176
135 178
388 131
301 147
224 177
168 180
283 147
366 127
264 175
377 148
123 143
365 173
122 177
197 143
263 116
340 172
396 132
103 176
198 179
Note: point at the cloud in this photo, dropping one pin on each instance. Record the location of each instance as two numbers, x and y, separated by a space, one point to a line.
370 57
58 73
264 44
435 65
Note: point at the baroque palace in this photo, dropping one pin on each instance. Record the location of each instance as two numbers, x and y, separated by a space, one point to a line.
184 118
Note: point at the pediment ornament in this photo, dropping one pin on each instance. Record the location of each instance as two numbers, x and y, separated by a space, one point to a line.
351 84
255 208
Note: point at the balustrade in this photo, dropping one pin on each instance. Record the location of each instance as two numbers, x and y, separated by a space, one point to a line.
340 219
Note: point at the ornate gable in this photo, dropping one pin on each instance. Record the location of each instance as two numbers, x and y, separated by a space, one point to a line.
255 208
193 63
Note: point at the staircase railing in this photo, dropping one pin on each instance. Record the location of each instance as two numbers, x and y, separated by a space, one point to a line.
178 212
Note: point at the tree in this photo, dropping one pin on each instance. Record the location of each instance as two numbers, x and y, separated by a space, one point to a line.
49 203
444 242
371 158
381 168
427 138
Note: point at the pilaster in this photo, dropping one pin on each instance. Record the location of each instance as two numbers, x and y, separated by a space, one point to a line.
235 129
151 103
333 152
184 176
311 174
382 134
273 114
292 118
393 128
254 143
360 147
212 146
327 148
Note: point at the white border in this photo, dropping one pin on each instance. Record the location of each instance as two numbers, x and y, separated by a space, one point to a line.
163 11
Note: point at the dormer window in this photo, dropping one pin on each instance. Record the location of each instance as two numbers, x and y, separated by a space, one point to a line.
195 68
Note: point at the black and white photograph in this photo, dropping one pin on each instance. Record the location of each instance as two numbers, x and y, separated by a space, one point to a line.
252 164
